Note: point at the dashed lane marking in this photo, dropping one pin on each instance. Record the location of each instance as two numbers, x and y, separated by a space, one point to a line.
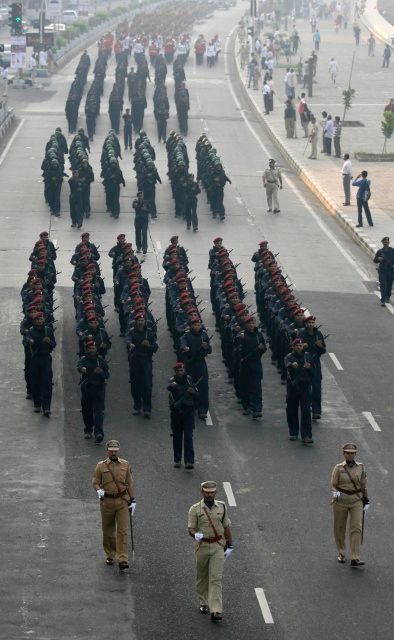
238 199
158 245
229 493
208 421
336 361
368 416
265 610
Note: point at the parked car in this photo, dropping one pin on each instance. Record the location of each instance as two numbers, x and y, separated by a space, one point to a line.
69 16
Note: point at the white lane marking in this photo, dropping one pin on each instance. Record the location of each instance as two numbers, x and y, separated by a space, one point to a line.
55 242
368 416
238 199
11 141
336 361
208 421
286 178
388 305
265 610
158 245
230 495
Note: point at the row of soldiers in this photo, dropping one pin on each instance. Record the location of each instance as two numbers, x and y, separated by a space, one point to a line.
184 187
189 390
96 90
181 94
294 340
76 90
93 340
111 173
212 175
52 168
81 179
37 326
242 340
146 171
115 102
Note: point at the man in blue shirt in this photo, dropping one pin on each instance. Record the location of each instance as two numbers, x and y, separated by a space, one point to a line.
363 195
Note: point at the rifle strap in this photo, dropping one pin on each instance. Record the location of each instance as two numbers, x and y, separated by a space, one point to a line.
116 482
210 522
358 489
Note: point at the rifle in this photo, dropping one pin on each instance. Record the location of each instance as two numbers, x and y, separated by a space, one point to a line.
177 404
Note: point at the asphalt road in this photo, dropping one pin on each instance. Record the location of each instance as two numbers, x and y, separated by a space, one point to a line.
54 583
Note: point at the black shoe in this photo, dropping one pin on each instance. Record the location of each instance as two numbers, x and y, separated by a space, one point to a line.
293 438
188 226
122 334
37 409
177 465
47 413
246 412
357 563
216 616
73 225
28 396
276 210
269 210
316 416
257 414
204 608
88 436
144 253
202 416
307 441
79 226
346 204
109 561
341 558
147 414
123 566
382 304
358 226
99 438
189 465
136 412
196 229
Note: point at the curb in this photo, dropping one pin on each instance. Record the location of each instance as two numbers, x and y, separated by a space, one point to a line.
376 23
325 199
7 123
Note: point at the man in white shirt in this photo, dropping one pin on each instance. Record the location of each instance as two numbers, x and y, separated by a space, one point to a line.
346 178
328 135
333 70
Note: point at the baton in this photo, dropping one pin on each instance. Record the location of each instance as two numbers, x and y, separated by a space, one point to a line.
362 527
131 536
308 141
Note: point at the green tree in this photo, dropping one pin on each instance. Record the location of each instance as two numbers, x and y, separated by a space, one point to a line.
387 128
348 96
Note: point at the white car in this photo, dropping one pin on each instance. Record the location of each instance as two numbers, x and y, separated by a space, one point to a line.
69 16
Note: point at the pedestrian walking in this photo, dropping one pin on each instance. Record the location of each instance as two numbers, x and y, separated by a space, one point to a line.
298 394
290 119
346 178
141 222
305 114
272 181
266 97
209 525
384 258
313 136
363 196
317 39
371 45
183 399
113 482
356 32
349 501
337 130
386 56
328 135
333 70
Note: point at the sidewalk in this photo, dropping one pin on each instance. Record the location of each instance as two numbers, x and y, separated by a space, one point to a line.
323 176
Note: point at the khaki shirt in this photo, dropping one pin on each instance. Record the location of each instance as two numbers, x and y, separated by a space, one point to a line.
341 481
122 473
198 520
272 176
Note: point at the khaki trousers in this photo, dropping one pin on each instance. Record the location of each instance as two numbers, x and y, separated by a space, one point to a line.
314 147
272 194
115 524
209 563
341 513
290 127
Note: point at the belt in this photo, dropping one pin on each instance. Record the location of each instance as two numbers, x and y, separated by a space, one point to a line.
348 493
210 540
115 495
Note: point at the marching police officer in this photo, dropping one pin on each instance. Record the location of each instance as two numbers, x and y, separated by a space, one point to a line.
299 382
42 341
195 347
94 370
350 500
141 345
209 525
127 129
183 398
113 482
384 257
272 181
316 347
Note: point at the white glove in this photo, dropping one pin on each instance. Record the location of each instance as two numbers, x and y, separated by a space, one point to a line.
100 493
336 494
228 552
132 507
366 507
198 536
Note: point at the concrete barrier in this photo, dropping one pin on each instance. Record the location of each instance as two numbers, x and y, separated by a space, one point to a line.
7 123
374 22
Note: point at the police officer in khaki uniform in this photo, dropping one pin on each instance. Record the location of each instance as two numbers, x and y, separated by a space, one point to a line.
313 135
272 180
350 499
113 483
209 525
